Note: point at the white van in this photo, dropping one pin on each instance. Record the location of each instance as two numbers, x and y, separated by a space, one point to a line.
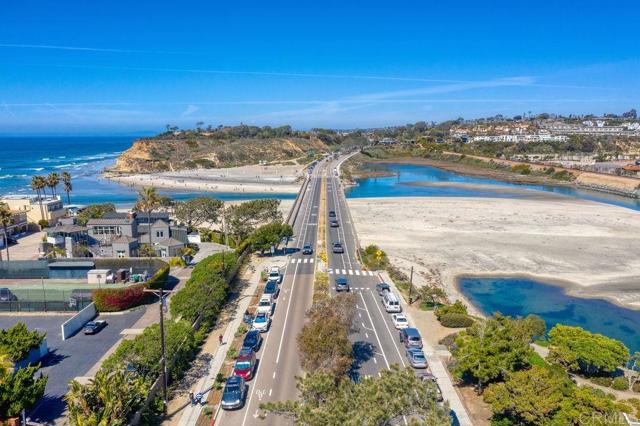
265 304
391 302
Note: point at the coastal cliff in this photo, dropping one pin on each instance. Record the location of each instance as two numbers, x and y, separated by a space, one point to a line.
169 153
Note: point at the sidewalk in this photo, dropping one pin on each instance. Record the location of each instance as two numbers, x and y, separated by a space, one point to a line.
437 366
181 413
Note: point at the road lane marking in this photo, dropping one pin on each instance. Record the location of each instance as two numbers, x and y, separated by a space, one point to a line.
305 260
311 260
374 331
274 374
357 272
344 272
375 361
393 340
293 261
350 272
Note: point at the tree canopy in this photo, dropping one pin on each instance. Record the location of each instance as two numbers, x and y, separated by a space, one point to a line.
242 219
19 389
17 341
579 350
94 211
198 211
490 349
545 396
380 400
324 343
269 235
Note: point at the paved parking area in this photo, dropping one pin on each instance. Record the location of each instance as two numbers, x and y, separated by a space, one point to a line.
71 358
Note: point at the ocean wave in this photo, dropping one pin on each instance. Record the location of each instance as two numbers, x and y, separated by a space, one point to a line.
13 176
37 169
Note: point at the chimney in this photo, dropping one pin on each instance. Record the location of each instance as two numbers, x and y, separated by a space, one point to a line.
131 214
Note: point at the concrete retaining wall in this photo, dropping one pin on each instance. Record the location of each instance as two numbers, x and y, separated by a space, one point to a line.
75 323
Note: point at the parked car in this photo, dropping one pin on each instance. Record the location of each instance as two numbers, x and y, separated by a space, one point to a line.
332 213
275 274
234 393
265 304
382 287
7 295
252 340
391 302
334 223
410 337
272 288
94 327
337 247
245 364
307 249
400 321
426 377
261 322
416 358
342 284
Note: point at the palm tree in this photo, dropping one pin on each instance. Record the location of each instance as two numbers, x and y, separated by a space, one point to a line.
66 182
148 200
52 182
38 183
6 219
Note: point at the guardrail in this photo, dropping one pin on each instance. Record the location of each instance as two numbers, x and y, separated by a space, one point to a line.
291 217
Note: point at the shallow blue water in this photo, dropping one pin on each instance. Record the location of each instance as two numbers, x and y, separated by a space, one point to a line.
399 186
84 158
521 297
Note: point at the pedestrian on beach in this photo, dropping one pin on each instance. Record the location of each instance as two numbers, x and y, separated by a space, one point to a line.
192 400
220 339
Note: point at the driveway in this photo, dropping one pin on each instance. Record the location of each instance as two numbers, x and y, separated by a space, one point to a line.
71 358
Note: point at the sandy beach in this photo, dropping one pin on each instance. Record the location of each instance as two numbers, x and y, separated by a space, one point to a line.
589 248
277 179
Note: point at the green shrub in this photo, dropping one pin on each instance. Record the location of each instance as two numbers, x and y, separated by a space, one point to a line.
16 342
456 308
232 353
177 261
620 383
636 387
605 381
523 169
142 353
455 320
374 258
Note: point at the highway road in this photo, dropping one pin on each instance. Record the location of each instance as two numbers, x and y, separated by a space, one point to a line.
278 357
375 340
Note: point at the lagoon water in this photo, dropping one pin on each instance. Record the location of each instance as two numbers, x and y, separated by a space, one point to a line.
84 158
405 175
521 297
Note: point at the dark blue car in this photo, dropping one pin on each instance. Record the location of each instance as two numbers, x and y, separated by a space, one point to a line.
234 393
252 341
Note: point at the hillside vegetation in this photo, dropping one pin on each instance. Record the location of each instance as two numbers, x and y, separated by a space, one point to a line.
227 147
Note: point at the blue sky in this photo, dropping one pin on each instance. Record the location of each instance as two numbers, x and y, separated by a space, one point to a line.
117 67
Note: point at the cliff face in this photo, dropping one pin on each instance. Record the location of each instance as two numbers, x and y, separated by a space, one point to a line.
172 153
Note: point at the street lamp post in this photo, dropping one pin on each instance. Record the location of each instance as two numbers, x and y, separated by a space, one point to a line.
410 286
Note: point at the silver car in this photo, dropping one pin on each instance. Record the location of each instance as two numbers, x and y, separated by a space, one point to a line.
416 358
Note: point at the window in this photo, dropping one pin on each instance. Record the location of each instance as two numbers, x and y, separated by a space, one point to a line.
159 234
120 253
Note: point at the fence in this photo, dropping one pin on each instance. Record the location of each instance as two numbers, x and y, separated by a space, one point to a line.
48 300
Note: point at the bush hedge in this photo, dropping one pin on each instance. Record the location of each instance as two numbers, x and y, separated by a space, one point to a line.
620 383
119 299
456 308
636 387
605 381
455 320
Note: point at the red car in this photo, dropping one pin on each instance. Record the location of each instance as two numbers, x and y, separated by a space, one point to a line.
245 364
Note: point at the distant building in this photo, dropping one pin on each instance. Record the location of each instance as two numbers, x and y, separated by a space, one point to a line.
51 210
18 226
122 234
541 137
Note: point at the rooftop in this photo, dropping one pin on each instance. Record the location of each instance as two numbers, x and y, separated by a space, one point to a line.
170 242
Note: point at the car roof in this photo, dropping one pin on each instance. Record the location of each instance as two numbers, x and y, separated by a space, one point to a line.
337 243
412 331
341 280
415 351
382 284
234 380
245 356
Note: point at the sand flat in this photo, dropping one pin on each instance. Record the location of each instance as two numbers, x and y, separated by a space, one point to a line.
591 248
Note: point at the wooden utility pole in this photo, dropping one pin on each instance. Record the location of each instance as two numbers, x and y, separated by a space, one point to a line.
410 285
162 294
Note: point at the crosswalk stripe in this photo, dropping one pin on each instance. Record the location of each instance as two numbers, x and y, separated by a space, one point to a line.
311 260
299 260
293 261
357 272
372 273
350 272
344 272
305 260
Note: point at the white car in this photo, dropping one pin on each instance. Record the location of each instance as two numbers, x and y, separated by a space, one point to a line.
265 305
400 321
261 322
275 274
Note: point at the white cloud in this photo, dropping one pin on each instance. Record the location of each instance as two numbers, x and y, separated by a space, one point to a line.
191 109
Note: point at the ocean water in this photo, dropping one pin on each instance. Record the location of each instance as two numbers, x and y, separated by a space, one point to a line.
84 158
400 185
521 297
